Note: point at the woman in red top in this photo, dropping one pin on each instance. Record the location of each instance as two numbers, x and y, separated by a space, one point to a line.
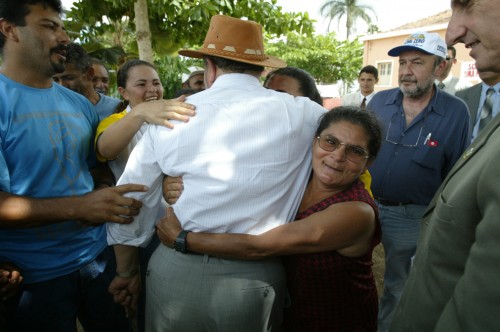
331 284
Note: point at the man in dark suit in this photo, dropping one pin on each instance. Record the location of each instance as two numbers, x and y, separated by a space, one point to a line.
475 96
453 285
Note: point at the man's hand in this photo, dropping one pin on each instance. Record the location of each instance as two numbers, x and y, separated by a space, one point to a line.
168 228
10 278
109 205
126 292
172 188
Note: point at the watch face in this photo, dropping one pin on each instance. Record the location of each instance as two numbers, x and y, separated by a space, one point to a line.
180 243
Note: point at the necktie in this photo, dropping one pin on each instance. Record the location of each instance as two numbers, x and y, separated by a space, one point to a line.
363 104
487 109
441 85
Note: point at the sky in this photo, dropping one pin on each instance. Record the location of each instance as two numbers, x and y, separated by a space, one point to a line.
390 13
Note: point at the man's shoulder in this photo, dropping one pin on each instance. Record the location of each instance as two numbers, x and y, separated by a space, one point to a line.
476 88
385 95
350 95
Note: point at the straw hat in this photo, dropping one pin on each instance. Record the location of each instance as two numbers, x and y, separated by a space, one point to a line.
235 39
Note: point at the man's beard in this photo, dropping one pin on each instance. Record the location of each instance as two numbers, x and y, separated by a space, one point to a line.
58 66
419 90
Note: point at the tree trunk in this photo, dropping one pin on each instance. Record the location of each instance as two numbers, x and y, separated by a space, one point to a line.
142 30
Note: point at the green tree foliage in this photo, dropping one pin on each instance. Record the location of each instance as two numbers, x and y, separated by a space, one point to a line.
350 9
327 59
107 24
176 23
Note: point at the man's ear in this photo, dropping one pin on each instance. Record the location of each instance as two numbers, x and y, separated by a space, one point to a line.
440 69
7 30
210 72
90 73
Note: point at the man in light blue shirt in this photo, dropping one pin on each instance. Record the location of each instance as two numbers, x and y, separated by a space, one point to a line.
51 220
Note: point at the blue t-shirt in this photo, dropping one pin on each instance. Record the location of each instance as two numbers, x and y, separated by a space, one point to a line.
46 150
414 160
106 106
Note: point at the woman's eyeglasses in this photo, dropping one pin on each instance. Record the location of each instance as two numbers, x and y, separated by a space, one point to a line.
353 153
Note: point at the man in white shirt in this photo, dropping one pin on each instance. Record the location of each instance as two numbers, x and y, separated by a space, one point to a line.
367 78
446 81
244 160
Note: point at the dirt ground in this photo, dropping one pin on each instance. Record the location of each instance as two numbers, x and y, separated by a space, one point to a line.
378 268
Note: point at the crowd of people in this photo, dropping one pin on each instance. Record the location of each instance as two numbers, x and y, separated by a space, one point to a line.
275 204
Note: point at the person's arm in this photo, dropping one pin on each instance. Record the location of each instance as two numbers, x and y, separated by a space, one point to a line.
102 175
97 207
118 135
345 227
126 286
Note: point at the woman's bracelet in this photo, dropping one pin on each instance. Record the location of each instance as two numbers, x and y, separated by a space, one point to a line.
128 274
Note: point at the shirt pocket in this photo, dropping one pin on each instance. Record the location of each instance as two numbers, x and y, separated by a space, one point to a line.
429 157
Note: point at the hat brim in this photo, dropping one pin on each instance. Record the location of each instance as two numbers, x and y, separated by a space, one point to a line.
396 51
270 60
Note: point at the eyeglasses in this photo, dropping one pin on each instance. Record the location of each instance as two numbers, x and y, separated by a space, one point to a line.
353 153
406 145
448 58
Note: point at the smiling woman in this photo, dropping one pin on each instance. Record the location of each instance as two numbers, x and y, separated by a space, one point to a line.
141 88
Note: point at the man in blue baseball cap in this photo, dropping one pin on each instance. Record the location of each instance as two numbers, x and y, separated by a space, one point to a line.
426 131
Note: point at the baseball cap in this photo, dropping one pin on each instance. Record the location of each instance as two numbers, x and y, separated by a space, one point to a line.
194 70
427 42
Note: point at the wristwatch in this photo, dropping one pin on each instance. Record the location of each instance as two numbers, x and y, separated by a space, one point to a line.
180 243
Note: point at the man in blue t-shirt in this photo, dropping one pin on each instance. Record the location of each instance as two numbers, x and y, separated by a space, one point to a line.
426 130
51 220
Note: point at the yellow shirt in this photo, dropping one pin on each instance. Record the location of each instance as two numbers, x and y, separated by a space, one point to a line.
103 125
366 178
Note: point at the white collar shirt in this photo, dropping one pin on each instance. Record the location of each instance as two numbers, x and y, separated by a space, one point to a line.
356 98
453 84
244 158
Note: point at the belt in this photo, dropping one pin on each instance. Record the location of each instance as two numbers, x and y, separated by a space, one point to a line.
388 202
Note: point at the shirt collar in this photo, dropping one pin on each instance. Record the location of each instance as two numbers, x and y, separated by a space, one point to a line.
485 87
436 104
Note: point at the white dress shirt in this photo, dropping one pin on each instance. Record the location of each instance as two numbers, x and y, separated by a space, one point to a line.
244 159
356 98
453 84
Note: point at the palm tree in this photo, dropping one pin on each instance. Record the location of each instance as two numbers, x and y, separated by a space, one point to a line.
336 9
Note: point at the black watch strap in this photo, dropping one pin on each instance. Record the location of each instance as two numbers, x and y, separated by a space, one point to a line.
180 243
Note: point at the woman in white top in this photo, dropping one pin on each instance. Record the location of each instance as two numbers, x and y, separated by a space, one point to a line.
140 86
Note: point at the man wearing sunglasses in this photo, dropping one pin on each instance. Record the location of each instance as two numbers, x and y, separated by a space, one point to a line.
426 131
447 81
